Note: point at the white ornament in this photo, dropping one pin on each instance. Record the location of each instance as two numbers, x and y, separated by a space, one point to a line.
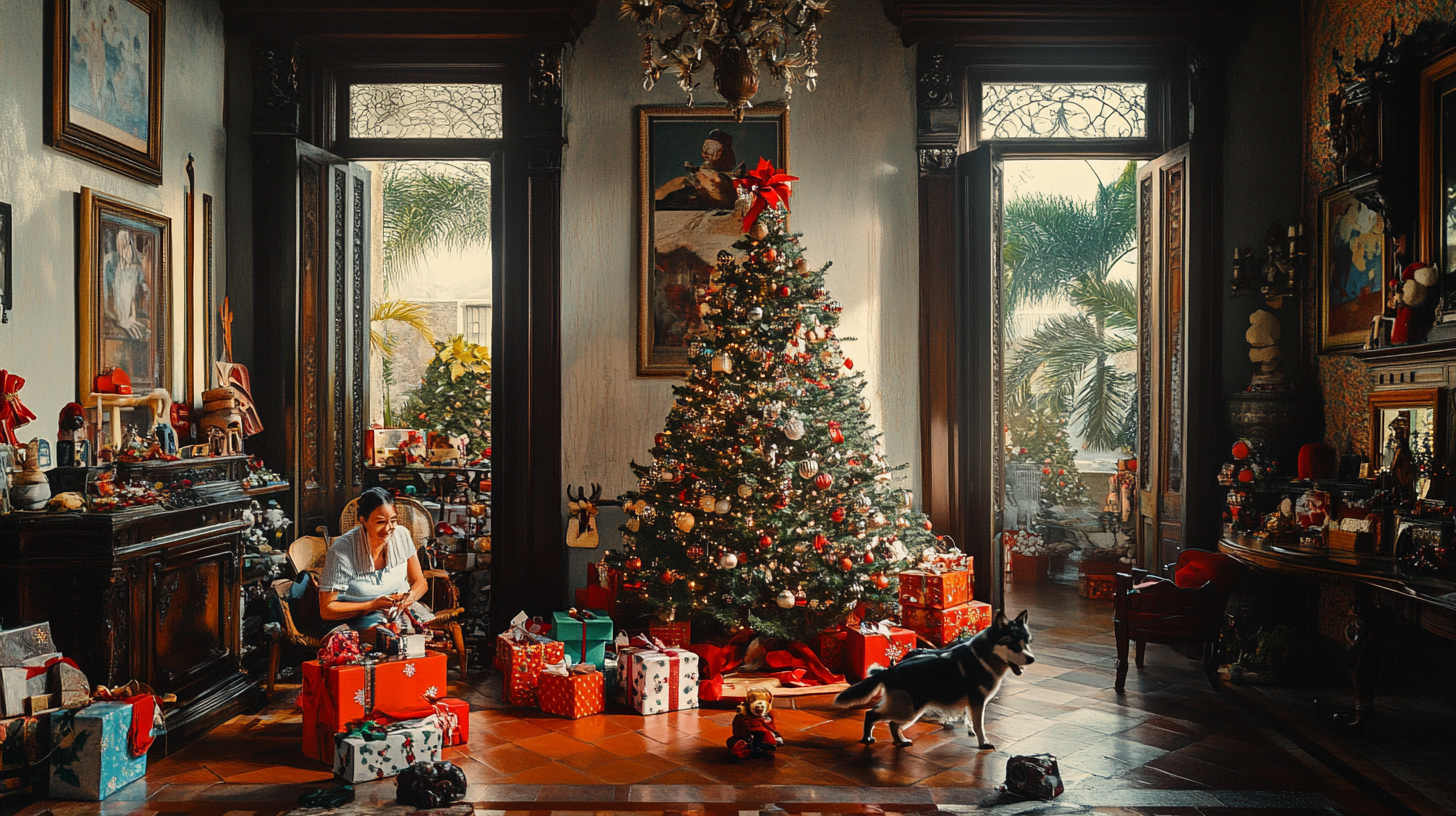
863 504
728 561
722 507
794 428
785 600
809 467
755 313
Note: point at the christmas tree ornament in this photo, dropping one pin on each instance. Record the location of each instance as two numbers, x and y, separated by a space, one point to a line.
877 521
728 561
801 598
755 314
862 503
744 491
848 363
824 481
644 484
721 507
684 521
785 600
794 428
837 515
820 542
846 564
783 291
707 504
835 434
634 524
758 232
880 580
722 364
765 541
802 267
907 498
809 467
668 577
633 564
647 513
660 440
928 525
869 557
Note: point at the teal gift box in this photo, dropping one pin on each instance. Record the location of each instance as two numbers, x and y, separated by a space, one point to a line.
573 633
92 758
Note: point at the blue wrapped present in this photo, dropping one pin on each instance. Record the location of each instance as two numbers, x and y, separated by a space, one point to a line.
583 641
92 757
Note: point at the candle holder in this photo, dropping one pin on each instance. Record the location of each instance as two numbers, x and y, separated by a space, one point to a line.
1286 258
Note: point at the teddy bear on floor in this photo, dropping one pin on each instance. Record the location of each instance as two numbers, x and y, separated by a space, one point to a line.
754 733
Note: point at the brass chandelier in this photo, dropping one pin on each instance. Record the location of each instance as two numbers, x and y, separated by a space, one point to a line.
734 36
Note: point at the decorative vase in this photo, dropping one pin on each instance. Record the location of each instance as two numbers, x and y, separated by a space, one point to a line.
1028 569
735 77
1271 420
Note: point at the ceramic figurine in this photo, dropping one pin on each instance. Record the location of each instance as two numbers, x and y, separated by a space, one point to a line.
31 490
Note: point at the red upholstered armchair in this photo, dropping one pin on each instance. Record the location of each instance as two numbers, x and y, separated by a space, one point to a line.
1186 611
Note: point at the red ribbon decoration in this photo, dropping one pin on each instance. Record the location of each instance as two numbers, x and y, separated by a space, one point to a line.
32 672
13 413
770 188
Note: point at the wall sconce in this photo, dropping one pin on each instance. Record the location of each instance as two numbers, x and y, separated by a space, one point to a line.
1286 257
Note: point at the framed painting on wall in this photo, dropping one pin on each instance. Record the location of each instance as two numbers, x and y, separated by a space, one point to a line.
105 95
1354 262
688 213
1437 222
122 294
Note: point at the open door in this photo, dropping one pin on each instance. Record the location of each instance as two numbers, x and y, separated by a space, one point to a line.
311 285
978 433
1167 234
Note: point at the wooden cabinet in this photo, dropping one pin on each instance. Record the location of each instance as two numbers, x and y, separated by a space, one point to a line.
153 595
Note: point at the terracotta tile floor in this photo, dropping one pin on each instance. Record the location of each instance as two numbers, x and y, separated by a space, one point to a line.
1171 745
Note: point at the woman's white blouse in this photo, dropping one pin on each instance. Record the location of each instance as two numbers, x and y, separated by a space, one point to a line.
349 568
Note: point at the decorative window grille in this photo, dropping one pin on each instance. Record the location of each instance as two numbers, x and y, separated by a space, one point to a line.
1064 110
424 111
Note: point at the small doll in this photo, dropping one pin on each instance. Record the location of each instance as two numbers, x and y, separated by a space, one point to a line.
754 733
1412 303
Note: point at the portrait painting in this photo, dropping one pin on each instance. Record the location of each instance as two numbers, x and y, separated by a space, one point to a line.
123 283
106 94
1354 263
688 161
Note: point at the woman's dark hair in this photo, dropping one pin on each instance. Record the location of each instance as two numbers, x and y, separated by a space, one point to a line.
371 500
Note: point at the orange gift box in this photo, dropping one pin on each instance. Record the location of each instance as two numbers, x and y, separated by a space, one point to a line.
573 696
675 634
935 590
334 696
522 662
454 721
943 626
1097 587
875 651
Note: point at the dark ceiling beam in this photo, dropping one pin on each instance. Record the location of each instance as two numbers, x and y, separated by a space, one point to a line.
1061 22
555 20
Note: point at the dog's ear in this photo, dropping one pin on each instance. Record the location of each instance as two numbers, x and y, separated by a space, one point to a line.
1022 617
1000 618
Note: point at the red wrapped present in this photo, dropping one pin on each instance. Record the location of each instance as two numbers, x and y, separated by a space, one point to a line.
931 588
334 696
833 648
875 646
453 717
1097 587
524 661
600 592
572 695
944 626
676 633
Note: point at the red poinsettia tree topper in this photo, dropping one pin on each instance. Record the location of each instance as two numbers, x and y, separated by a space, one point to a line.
770 188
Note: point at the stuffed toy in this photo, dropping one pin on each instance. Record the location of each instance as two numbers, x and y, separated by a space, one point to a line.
753 729
430 784
1412 303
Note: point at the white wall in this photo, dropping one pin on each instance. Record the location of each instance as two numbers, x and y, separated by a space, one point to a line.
43 185
852 142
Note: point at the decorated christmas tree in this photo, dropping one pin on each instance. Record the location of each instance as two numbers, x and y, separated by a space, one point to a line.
453 398
1039 435
768 503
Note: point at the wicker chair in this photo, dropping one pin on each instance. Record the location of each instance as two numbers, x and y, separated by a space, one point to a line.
443 597
306 555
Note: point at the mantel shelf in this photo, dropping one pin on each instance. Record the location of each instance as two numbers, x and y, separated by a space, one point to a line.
1417 353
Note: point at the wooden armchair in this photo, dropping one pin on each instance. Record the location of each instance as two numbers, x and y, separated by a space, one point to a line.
306 555
1186 611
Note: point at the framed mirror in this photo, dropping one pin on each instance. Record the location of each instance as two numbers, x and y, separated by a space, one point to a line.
1406 436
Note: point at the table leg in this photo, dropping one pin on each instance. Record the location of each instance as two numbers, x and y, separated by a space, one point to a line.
1363 634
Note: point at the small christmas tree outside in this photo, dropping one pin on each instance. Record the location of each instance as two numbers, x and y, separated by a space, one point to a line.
453 398
768 503
1038 435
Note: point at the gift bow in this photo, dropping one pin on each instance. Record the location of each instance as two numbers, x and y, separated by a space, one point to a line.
13 413
32 672
884 627
769 187
367 730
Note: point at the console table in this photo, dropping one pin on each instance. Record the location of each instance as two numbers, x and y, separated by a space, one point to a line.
1382 597
151 594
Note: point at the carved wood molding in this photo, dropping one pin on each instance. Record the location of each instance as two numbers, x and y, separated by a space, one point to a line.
935 160
1060 21
555 20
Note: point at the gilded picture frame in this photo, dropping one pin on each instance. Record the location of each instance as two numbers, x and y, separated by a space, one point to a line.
1436 223
105 83
688 213
1355 259
123 294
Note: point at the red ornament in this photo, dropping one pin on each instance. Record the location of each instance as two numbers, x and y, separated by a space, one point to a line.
660 439
1023 450
780 501
668 577
820 542
880 580
1046 471
784 290
846 564
928 525
824 481
770 255
1061 472
835 435
1241 450
848 363
765 541
634 564
1246 475
837 515
869 557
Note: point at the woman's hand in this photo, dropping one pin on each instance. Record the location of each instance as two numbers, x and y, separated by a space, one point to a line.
382 603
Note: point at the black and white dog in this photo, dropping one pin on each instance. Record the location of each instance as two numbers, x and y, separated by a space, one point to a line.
960 678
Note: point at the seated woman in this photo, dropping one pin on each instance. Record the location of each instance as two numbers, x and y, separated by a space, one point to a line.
372 574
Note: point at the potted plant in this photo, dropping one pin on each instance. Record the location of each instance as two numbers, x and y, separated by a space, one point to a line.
1029 556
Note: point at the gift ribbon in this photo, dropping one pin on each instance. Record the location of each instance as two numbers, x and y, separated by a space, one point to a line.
32 672
367 730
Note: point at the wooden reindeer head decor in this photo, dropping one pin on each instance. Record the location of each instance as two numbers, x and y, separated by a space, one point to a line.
581 531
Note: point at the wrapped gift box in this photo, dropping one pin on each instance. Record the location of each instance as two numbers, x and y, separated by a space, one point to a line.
600 592
334 696
25 643
453 717
944 626
660 680
833 648
932 589
1097 587
584 641
24 742
572 695
878 649
92 758
362 758
33 677
524 661
676 633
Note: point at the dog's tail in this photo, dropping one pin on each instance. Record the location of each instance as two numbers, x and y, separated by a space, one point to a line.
860 693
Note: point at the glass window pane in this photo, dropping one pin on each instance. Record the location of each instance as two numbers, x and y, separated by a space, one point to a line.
424 111
1064 110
